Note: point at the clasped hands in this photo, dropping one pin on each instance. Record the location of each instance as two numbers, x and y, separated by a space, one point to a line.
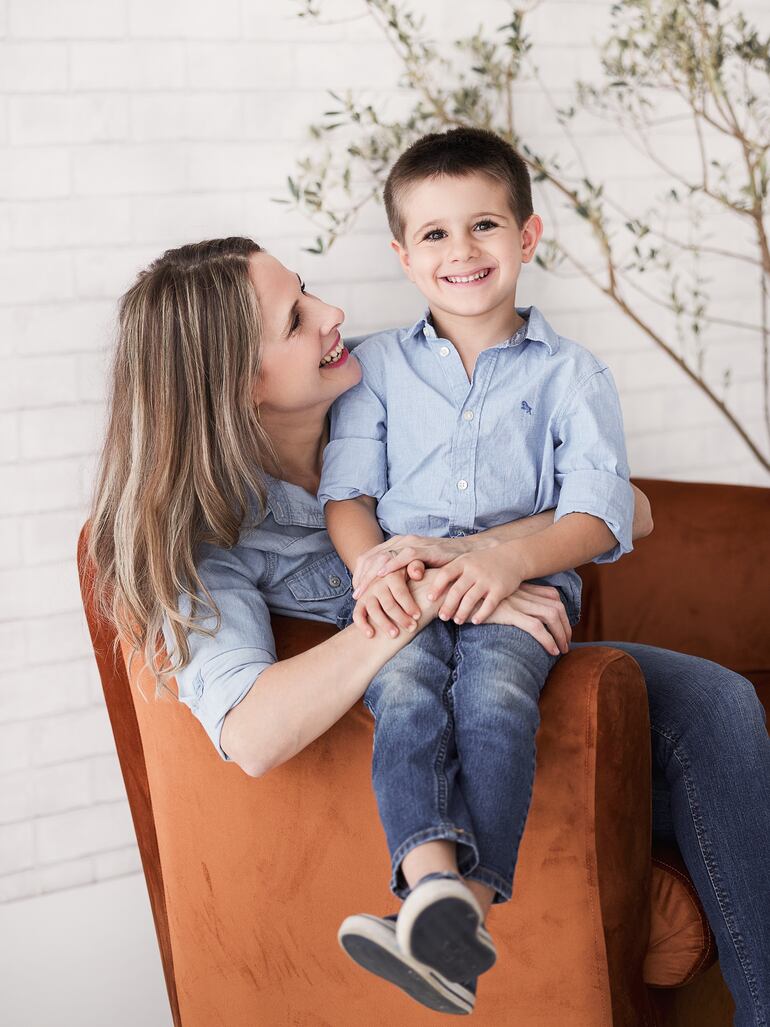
480 580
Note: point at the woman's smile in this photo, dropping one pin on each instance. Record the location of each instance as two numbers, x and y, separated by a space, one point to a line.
336 355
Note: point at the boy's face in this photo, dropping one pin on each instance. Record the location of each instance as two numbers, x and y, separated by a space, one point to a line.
460 228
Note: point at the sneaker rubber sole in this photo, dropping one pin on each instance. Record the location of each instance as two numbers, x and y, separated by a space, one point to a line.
440 925
371 942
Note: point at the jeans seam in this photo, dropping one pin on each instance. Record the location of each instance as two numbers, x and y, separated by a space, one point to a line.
712 871
440 761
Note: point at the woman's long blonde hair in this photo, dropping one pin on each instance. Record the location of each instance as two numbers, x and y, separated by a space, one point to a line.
184 449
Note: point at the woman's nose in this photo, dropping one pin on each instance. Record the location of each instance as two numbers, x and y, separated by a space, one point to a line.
333 316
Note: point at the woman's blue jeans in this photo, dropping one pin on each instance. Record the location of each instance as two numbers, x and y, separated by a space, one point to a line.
711 794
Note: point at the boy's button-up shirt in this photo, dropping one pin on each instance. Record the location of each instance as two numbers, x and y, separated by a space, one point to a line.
538 426
284 563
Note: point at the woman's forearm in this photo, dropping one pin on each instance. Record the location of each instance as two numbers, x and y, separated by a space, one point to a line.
297 699
642 525
518 529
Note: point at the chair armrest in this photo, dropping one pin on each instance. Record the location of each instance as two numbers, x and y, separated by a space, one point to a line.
698 584
582 880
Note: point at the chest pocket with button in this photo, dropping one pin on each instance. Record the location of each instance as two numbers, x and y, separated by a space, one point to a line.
322 580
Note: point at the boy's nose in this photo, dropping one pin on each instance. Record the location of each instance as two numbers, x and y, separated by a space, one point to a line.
463 250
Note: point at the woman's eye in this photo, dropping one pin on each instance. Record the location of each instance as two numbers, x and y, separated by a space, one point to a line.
486 224
296 323
434 234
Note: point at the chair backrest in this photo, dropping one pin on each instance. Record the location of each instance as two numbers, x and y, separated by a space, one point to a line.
128 740
699 584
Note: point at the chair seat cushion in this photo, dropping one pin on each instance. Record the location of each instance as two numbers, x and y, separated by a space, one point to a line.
682 945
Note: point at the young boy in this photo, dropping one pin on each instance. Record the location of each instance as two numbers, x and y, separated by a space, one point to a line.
478 415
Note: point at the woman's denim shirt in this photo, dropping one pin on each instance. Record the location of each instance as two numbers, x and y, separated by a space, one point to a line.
286 562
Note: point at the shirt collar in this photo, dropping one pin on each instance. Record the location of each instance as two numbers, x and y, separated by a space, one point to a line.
289 504
538 329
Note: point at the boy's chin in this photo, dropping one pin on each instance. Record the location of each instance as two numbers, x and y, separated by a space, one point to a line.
466 306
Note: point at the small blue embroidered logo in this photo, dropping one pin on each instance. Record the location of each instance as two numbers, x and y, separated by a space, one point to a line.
526 407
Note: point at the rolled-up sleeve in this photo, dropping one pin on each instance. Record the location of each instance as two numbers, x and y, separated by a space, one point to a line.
224 665
590 463
355 460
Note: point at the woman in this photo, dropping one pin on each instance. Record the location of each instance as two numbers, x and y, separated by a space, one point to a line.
205 518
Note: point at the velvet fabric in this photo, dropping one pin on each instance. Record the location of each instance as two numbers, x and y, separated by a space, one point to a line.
681 944
248 879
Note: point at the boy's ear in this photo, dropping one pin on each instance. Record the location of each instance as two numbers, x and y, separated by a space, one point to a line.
531 234
403 256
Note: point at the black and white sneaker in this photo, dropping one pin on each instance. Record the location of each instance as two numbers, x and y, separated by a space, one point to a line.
440 924
371 942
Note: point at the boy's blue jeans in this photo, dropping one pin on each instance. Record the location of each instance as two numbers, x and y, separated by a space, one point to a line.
456 712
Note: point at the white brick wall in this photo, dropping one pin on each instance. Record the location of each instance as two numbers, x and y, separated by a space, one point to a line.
128 126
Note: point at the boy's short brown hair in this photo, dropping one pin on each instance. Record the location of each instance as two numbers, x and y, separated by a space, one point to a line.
460 151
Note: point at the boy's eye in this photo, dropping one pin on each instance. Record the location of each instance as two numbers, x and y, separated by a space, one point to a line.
486 224
434 234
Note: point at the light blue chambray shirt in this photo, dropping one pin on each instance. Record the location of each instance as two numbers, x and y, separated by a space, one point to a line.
284 563
538 426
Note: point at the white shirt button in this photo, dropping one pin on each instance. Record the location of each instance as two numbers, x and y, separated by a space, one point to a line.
462 484
468 415
444 351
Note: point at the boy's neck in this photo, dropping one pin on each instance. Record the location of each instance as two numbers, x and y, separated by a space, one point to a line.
471 335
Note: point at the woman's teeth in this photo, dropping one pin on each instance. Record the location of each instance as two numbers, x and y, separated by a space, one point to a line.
456 280
334 354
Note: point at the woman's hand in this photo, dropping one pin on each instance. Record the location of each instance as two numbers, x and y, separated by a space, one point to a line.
369 564
538 610
412 552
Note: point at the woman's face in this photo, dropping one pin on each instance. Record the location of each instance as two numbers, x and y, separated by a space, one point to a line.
304 364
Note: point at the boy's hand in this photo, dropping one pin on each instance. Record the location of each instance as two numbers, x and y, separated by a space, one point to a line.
479 582
387 605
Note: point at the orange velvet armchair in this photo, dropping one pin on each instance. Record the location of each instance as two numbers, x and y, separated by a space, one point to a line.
249 878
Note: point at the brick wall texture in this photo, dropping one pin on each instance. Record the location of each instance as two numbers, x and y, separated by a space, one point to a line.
128 126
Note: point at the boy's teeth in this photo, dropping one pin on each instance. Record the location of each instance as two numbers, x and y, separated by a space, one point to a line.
334 355
468 278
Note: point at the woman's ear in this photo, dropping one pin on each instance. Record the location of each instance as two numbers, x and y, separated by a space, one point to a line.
403 255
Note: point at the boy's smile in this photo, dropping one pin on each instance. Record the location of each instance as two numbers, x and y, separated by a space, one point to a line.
463 249
471 278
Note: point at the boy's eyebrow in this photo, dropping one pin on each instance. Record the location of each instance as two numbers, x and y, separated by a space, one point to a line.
478 214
